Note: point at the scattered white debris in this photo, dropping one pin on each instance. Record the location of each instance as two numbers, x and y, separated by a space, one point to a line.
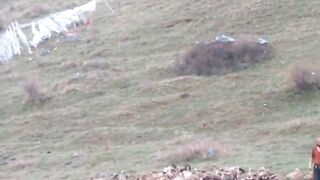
262 41
224 38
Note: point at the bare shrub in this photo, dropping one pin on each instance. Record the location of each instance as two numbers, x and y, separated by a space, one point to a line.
222 57
305 77
193 149
33 92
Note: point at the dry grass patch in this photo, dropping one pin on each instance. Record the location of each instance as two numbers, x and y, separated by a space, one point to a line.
189 149
173 85
296 125
80 82
156 103
71 64
123 115
70 84
19 164
33 92
305 77
217 57
95 65
85 66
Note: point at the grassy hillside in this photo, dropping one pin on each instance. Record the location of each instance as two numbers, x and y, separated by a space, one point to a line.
117 105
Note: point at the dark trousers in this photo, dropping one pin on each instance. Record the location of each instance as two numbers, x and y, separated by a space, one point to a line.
316 173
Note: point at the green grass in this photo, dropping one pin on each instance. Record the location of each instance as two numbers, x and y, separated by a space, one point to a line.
125 112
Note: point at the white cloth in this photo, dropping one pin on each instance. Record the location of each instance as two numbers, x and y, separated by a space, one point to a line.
13 40
22 37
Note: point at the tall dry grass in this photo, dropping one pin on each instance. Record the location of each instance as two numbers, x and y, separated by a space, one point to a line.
33 92
186 150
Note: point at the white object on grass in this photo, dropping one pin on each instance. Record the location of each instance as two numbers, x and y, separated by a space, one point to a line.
262 41
224 38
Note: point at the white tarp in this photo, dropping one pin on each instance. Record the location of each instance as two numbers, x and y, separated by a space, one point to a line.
13 40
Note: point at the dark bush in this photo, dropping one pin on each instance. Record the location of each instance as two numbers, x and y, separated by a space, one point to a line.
222 57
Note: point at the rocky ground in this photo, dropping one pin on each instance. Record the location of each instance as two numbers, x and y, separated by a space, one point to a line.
188 173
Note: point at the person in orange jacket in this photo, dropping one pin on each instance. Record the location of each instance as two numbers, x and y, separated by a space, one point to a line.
315 160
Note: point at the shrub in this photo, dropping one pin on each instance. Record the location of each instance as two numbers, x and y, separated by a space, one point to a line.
33 92
305 77
222 57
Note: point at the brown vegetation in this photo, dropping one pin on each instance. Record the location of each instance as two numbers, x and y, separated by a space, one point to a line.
222 57
33 92
305 77
191 149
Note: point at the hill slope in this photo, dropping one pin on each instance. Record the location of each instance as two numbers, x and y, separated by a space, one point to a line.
117 104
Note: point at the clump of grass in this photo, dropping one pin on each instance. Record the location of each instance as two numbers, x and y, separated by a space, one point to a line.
33 93
305 77
201 149
216 58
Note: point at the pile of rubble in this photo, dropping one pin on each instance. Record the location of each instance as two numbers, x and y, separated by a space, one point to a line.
187 173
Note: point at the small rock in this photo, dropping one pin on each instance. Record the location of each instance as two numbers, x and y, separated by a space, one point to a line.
68 163
184 95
